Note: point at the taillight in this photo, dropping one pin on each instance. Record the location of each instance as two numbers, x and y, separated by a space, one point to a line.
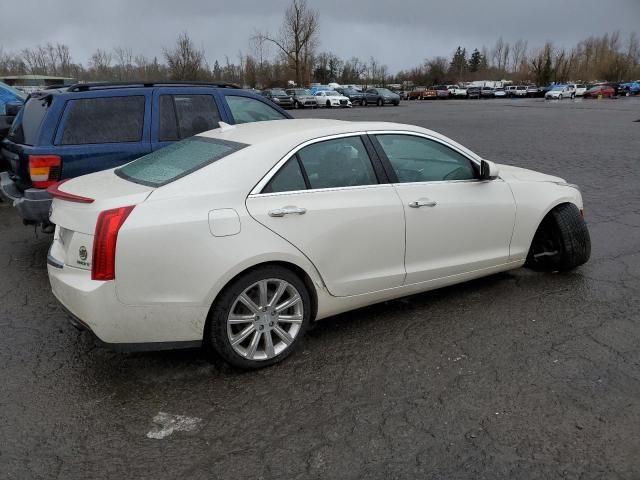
103 266
44 170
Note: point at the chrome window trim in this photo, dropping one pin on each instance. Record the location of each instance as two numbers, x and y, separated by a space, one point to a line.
271 173
256 191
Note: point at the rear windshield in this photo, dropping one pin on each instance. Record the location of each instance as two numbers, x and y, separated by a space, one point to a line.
177 160
26 126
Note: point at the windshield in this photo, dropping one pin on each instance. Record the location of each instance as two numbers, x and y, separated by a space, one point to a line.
558 87
278 92
302 91
385 91
332 94
26 126
177 160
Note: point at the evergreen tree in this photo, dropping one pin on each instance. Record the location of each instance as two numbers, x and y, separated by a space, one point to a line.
458 64
476 61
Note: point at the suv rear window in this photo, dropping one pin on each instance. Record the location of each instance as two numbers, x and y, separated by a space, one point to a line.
104 120
26 126
177 160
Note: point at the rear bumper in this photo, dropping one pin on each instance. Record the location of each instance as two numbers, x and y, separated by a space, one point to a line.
32 204
94 306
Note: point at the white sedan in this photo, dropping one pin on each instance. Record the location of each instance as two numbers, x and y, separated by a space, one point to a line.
240 237
331 98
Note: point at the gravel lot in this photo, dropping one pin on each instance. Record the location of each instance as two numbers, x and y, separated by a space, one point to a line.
519 375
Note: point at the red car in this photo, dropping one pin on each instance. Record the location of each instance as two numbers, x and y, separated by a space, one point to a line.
600 90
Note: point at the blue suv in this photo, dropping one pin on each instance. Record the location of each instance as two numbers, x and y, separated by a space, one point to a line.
63 133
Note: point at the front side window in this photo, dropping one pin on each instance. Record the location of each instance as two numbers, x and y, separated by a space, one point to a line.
177 160
417 159
104 120
246 110
342 162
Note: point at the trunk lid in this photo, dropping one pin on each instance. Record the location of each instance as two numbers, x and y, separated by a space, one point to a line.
76 221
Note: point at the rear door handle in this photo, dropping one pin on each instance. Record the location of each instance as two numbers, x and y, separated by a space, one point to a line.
423 202
281 212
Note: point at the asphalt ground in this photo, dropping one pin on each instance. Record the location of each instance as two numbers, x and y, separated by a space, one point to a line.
518 375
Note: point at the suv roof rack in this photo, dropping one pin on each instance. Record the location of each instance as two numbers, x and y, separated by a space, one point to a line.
83 87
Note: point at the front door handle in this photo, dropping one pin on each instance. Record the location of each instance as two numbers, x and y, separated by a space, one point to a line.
281 212
423 202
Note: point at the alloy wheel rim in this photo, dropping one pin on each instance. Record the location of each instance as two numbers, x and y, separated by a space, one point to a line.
265 319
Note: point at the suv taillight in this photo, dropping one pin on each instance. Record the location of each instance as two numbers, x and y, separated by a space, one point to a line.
44 170
103 266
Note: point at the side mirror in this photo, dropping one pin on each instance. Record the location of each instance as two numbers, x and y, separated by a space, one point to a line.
488 170
13 109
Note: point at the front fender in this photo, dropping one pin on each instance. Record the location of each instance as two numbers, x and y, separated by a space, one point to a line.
534 200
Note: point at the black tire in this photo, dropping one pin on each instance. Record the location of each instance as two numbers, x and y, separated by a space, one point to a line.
562 241
363 102
216 340
296 105
395 104
380 103
328 104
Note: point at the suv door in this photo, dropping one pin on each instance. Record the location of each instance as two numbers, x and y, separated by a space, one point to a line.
181 112
455 222
98 132
327 200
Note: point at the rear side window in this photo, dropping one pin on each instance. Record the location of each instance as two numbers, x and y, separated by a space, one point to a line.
177 160
342 162
183 116
246 109
26 126
288 179
104 120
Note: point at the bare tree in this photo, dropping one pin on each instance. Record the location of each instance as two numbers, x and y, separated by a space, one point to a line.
185 62
297 36
518 54
124 63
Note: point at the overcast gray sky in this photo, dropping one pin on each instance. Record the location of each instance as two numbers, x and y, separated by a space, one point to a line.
399 33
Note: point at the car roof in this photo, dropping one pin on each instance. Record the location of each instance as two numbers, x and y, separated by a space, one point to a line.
298 131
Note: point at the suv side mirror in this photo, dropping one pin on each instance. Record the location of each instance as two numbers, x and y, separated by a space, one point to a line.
488 170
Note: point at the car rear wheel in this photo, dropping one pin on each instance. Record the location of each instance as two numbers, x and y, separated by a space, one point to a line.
562 241
260 318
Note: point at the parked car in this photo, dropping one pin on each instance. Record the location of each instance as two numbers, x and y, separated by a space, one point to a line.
487 92
380 97
499 93
442 91
302 98
628 89
473 92
11 101
355 96
279 97
600 91
417 93
520 91
532 91
458 92
67 132
510 91
430 94
232 249
580 89
331 98
560 91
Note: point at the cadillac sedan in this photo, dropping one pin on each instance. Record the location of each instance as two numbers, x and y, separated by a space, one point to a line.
238 238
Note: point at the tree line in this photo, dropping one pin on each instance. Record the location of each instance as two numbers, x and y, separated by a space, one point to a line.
292 55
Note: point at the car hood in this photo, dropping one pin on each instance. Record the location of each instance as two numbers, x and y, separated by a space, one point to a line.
508 172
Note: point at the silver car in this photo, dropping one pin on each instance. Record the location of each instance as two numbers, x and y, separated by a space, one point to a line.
302 98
